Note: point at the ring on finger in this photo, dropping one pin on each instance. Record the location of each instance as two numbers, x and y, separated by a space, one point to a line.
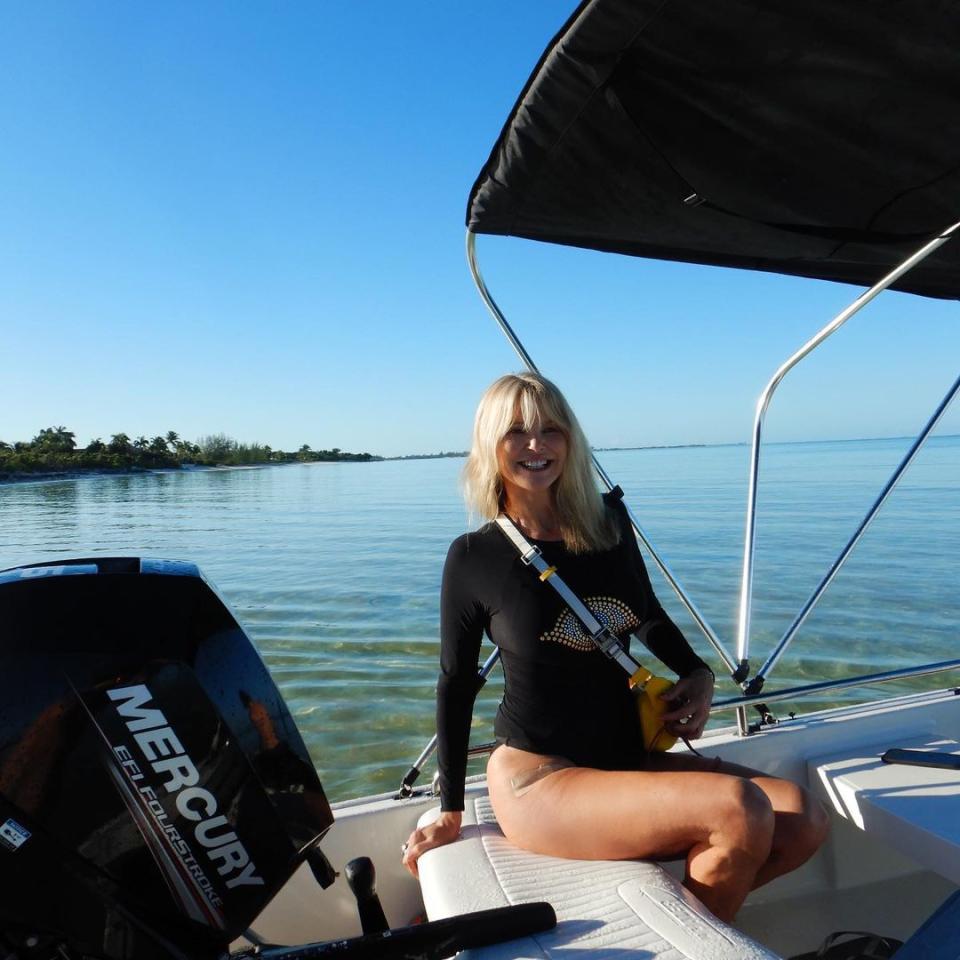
403 847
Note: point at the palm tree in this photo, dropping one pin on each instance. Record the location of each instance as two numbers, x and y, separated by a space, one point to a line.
55 439
119 443
173 440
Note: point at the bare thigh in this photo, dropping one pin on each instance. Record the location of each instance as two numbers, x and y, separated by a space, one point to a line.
588 814
785 796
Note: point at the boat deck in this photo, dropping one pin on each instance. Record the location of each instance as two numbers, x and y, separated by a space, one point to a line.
913 809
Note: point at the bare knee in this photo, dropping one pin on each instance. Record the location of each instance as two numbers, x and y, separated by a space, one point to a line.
816 822
801 834
746 819
723 869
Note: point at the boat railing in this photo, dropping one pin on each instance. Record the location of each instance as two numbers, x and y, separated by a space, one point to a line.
827 686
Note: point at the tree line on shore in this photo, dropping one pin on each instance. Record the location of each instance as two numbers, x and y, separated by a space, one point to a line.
55 450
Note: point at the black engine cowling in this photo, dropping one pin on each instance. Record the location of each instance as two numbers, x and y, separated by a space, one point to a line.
154 790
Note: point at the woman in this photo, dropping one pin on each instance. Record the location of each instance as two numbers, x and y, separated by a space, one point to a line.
570 777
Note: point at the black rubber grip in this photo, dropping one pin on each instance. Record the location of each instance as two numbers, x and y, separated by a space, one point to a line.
922 758
431 941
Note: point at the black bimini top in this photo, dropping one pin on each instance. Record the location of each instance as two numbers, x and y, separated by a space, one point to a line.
819 138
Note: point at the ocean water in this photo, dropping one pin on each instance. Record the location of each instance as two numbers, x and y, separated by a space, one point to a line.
334 569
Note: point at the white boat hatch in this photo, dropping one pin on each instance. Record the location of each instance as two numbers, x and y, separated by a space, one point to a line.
913 809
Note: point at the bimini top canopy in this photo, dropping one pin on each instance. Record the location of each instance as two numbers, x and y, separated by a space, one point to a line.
815 138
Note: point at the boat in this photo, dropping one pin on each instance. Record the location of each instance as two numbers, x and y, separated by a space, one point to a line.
156 800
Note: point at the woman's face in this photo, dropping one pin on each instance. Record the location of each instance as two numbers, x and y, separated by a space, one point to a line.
531 460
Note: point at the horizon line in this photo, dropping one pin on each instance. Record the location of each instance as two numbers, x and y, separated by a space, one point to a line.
452 455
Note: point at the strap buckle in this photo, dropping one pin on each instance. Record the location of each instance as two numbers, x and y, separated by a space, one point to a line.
607 641
530 555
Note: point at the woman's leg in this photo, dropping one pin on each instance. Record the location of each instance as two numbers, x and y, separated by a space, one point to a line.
801 824
722 823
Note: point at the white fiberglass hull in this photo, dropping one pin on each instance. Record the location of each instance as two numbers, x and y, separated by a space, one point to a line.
864 877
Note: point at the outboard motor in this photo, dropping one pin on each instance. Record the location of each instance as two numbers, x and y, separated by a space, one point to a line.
154 790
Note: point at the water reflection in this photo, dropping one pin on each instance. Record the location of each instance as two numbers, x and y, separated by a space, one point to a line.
63 503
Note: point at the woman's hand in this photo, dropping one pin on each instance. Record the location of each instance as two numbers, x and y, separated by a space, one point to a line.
690 699
445 829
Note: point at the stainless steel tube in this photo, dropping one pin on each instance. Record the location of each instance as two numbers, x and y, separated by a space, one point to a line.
412 775
793 693
785 640
746 583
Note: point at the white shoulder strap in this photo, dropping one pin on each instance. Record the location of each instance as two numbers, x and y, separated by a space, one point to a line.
605 639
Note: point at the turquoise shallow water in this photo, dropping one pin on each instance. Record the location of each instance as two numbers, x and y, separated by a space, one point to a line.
334 569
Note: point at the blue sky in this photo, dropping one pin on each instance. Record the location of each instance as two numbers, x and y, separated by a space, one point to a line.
248 218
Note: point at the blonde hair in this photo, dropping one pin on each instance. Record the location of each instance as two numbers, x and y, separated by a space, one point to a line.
585 522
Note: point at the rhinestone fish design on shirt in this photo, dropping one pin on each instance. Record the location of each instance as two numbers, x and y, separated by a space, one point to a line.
614 614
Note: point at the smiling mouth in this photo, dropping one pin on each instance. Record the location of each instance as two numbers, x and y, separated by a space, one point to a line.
535 465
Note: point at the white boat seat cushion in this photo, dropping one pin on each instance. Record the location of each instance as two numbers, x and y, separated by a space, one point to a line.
606 909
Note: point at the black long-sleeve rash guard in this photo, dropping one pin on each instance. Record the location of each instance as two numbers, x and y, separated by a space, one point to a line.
561 694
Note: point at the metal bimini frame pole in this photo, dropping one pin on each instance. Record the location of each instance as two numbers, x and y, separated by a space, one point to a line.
413 774
691 607
757 682
746 586
827 686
